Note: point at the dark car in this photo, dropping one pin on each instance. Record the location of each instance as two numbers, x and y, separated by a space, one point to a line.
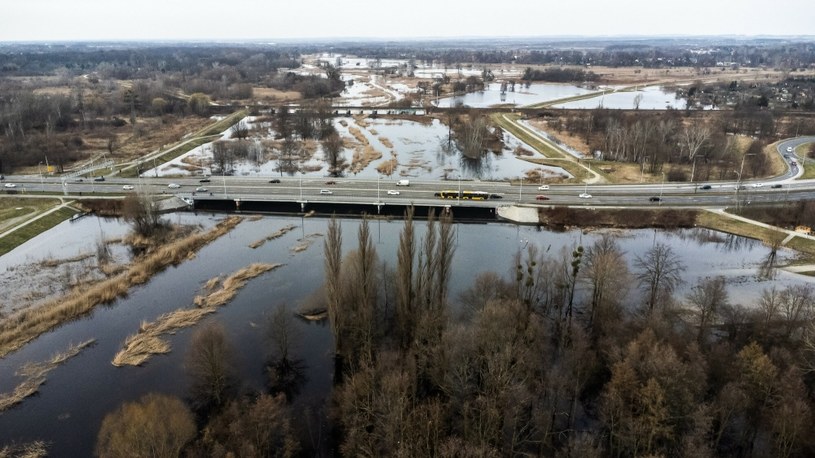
99 179
655 199
776 186
204 180
707 186
274 181
330 182
541 197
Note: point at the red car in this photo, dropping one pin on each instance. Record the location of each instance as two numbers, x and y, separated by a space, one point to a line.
541 197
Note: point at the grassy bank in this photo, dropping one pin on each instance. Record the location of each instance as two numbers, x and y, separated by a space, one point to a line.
148 341
21 327
807 164
29 231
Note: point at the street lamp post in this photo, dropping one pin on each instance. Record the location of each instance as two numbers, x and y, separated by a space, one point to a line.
521 189
39 170
458 201
661 188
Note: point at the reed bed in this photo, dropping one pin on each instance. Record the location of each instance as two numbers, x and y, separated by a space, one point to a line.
21 327
358 135
274 235
388 167
149 341
34 375
387 142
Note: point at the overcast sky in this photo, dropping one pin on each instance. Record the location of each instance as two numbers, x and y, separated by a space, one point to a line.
50 20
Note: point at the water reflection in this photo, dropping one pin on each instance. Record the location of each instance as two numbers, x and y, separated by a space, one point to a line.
70 407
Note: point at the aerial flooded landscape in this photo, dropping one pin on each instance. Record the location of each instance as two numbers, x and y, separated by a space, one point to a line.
369 230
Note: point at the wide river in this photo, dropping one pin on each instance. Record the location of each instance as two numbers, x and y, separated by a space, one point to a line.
70 407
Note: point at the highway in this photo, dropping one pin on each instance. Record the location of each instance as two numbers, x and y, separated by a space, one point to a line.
351 190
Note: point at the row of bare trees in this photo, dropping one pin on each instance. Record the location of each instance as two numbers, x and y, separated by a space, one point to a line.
531 368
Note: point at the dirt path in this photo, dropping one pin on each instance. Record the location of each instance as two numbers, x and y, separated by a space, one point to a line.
550 145
41 215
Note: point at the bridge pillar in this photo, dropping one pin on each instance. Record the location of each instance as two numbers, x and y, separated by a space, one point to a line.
302 206
237 205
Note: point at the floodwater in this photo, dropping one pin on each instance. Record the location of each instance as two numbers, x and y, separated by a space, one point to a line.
421 149
70 407
535 93
653 98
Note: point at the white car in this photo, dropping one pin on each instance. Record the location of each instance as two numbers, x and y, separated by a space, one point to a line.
10 185
543 187
128 187
789 149
393 192
200 189
584 195
173 185
757 185
325 191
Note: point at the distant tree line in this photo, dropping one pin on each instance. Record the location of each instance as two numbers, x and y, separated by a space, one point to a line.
558 75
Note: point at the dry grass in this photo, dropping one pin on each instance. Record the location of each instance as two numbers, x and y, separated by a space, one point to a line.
36 449
362 157
34 375
373 132
148 341
304 243
51 263
358 135
388 167
385 141
22 327
361 121
274 95
277 234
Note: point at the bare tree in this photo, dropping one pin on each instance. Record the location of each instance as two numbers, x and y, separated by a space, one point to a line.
637 101
405 302
333 148
142 213
156 425
693 137
607 273
708 297
658 272
209 365
333 290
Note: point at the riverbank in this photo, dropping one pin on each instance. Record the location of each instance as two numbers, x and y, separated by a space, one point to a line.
21 327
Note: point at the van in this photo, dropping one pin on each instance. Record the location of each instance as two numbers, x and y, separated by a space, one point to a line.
403 183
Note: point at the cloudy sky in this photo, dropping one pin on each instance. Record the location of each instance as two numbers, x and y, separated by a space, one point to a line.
49 20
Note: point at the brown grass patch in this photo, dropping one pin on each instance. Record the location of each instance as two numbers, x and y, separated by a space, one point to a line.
270 94
22 327
388 167
51 263
36 449
34 375
274 235
304 243
361 121
362 157
385 141
358 135
139 347
373 132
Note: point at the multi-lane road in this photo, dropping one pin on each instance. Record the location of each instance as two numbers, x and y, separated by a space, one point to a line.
704 194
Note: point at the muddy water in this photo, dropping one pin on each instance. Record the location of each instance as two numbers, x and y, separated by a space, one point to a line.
71 405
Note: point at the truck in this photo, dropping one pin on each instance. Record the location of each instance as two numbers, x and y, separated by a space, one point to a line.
403 183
